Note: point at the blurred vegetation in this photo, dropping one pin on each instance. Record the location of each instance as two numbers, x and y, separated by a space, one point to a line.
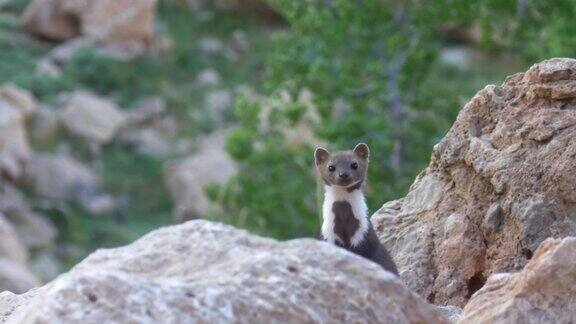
375 76
171 76
346 71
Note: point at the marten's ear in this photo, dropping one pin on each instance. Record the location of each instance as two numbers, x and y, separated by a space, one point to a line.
321 156
362 151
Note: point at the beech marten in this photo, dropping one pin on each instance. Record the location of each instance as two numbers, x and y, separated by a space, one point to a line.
345 213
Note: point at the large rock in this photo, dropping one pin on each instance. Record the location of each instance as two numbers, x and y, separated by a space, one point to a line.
10 246
118 20
109 21
219 103
500 182
45 125
211 273
186 179
14 273
61 177
544 292
90 117
33 229
16 277
147 142
19 98
47 18
15 150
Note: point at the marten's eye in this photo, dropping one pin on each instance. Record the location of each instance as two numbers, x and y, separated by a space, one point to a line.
354 165
331 168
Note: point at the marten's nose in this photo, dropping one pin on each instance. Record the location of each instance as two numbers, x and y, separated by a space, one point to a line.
343 175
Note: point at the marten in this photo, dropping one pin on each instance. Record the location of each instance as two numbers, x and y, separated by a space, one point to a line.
345 213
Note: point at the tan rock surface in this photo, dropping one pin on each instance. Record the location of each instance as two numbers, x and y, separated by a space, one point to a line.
90 117
109 21
10 246
119 20
500 182
208 272
16 277
47 18
543 292
62 177
15 150
19 98
33 229
14 272
185 180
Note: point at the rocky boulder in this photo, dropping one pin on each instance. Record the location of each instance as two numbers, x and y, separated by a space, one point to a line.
186 179
14 273
33 229
15 149
90 117
45 125
61 177
10 246
147 142
543 292
500 182
108 21
21 99
207 272
118 20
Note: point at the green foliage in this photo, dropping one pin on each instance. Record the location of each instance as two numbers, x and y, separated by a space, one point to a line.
373 72
348 55
171 75
533 29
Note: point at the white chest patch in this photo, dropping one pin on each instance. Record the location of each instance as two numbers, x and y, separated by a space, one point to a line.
359 209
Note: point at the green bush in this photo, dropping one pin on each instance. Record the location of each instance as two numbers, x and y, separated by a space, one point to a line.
372 70
356 59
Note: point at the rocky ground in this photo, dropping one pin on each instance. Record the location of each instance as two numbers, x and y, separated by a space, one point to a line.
488 226
64 148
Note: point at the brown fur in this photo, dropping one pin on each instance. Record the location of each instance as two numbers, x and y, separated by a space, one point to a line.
342 162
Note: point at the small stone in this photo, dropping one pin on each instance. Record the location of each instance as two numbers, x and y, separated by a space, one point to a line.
208 77
45 125
146 111
211 46
185 180
98 204
493 218
15 151
47 67
219 102
90 117
61 177
239 42
107 21
34 230
19 98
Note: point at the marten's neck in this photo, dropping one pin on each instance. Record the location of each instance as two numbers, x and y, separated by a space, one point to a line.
345 215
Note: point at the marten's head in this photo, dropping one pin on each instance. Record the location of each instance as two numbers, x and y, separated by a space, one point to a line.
343 168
